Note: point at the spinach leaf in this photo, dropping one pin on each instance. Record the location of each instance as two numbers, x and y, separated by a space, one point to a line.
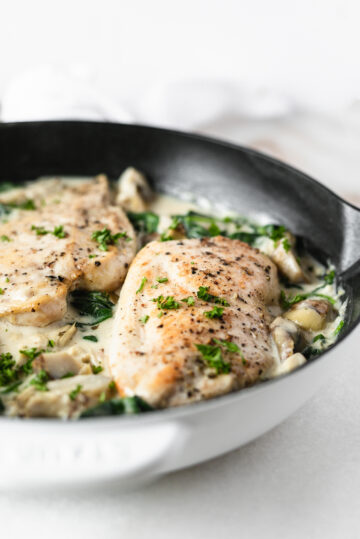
118 406
193 224
7 186
94 304
146 222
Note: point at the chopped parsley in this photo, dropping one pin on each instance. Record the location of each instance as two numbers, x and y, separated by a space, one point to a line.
68 375
329 277
102 397
8 371
166 303
162 279
212 355
144 319
286 245
27 205
146 222
51 343
96 369
11 387
31 354
216 312
2 291
339 327
189 300
75 392
58 231
231 347
319 337
92 338
5 238
104 238
142 284
39 381
203 294
94 304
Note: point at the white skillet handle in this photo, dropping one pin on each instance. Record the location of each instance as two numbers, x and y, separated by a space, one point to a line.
45 458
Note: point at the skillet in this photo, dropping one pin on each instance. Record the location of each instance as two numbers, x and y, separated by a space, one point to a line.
136 449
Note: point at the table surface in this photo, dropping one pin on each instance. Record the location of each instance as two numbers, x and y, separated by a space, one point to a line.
300 480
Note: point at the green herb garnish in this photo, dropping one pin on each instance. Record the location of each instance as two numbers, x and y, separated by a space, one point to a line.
339 327
329 277
92 338
319 337
216 312
166 303
40 380
162 279
142 284
68 375
213 357
189 300
286 245
203 294
104 238
96 369
8 371
11 387
40 230
59 232
74 393
5 238
144 319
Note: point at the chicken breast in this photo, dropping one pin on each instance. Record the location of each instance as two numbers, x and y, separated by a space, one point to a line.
192 321
48 251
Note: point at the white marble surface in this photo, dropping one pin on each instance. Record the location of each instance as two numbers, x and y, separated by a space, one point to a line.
300 480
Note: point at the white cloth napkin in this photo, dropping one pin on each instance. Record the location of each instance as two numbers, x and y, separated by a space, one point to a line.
51 93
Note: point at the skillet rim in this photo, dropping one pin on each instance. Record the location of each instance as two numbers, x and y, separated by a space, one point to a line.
173 413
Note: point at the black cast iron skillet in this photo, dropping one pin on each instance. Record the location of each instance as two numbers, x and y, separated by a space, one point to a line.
243 180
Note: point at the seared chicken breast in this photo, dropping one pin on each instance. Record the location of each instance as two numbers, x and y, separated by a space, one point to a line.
74 238
192 321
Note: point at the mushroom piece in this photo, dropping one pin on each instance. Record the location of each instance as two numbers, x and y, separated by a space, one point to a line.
133 191
286 334
291 363
59 337
285 259
63 398
73 360
310 314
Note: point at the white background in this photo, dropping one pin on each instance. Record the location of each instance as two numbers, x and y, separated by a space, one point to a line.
302 480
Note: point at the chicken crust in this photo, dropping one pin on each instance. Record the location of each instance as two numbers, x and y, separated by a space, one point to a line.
154 350
38 267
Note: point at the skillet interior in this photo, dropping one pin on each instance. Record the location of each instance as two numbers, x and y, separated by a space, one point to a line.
243 180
